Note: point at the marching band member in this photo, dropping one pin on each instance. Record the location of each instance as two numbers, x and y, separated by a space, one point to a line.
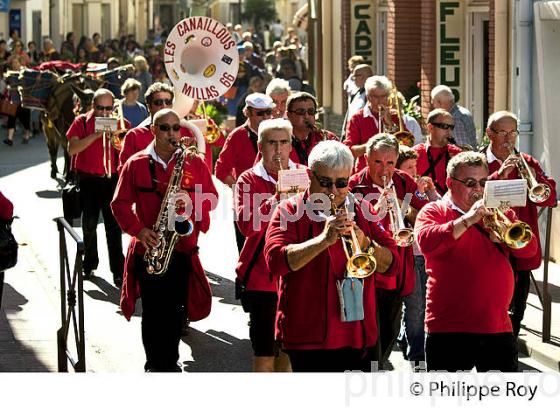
252 216
302 108
142 186
279 90
158 96
6 214
365 123
303 248
435 153
502 162
95 161
470 279
376 182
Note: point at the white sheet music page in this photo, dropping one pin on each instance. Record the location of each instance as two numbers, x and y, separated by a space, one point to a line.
505 193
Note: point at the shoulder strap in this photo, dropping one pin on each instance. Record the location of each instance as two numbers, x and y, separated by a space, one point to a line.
431 171
252 137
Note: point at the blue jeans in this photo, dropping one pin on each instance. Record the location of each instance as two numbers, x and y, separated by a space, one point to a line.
412 325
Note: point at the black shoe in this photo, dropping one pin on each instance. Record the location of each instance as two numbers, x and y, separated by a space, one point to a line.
25 141
117 281
8 142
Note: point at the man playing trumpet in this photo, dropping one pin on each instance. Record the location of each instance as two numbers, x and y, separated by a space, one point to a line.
257 195
504 163
470 279
304 249
378 183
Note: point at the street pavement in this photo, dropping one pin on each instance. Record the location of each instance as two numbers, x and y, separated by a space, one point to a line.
30 314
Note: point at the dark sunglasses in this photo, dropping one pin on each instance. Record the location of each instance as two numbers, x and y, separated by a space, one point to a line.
327 183
471 182
167 127
104 107
303 111
162 101
263 113
443 125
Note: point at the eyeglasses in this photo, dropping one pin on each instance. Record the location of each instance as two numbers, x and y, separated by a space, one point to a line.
327 183
104 107
167 127
443 125
504 133
471 182
262 113
303 111
162 101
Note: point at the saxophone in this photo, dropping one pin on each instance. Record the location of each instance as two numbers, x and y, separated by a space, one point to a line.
159 256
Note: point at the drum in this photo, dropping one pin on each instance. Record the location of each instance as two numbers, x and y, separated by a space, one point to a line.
35 88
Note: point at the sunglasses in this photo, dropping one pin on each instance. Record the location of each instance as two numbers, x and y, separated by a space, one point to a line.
167 127
471 182
327 183
443 125
503 133
262 113
303 111
162 101
104 107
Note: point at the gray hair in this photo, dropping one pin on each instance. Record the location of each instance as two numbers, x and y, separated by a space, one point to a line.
275 124
378 81
156 88
101 92
277 86
466 159
438 112
500 115
129 85
442 89
331 154
162 112
381 142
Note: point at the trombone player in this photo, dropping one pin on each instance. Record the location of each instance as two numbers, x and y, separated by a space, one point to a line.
304 249
504 162
378 183
470 280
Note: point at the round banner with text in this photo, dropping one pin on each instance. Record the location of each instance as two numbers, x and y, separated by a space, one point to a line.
201 58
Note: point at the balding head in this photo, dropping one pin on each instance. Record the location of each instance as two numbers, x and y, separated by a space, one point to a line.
442 97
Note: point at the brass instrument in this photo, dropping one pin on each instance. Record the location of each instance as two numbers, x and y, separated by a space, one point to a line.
117 137
515 235
404 137
359 264
313 128
538 193
212 133
159 256
402 235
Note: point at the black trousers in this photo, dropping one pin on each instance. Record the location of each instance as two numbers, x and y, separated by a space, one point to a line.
519 300
239 238
1 287
455 352
389 312
96 196
163 307
335 360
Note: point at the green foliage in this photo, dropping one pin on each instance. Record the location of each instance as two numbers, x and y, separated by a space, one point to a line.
412 108
259 10
214 110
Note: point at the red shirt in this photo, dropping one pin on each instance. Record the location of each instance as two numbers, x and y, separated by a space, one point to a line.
529 213
6 208
136 206
253 212
404 184
302 149
139 138
439 157
238 153
308 314
91 160
470 281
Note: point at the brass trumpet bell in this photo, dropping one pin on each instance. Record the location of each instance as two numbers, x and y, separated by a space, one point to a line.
515 235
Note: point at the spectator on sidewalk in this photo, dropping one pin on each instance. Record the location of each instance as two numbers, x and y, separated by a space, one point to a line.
135 112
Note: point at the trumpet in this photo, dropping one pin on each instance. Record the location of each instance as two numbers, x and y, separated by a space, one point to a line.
538 193
313 128
117 137
404 137
359 264
515 235
402 235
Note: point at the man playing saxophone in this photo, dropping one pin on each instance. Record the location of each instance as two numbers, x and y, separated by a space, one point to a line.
504 162
470 280
322 327
183 287
378 183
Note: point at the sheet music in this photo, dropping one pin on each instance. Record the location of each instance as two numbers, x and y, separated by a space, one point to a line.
293 180
505 193
108 124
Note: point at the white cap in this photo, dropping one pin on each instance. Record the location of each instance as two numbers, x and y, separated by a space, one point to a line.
259 101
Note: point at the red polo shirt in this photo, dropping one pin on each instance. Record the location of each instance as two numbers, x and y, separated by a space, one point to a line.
432 162
302 149
238 153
